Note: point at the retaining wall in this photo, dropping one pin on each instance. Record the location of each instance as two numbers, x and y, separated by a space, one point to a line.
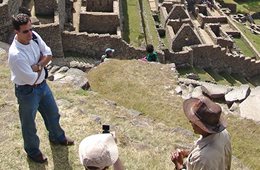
51 34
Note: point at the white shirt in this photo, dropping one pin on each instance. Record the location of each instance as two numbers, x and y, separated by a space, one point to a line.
211 153
21 57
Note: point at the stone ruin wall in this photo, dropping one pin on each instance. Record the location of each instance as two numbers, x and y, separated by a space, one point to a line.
202 56
231 6
45 7
99 5
51 34
100 22
108 21
7 9
60 14
202 19
176 24
223 39
94 45
5 22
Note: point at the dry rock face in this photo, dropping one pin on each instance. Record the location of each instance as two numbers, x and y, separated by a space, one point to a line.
238 94
241 101
250 107
74 75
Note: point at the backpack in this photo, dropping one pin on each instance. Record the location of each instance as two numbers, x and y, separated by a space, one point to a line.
34 38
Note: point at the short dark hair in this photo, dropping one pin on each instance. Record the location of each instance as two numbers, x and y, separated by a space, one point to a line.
20 19
149 48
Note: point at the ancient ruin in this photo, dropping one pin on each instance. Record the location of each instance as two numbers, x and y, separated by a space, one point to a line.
201 37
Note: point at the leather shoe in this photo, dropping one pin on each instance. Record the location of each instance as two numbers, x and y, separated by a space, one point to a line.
66 142
39 158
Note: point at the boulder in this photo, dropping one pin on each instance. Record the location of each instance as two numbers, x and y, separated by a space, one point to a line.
197 91
215 91
250 107
238 94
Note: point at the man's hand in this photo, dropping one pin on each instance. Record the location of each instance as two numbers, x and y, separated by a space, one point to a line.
177 158
35 68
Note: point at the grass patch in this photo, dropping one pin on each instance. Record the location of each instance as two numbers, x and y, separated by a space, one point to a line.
204 76
151 32
244 47
255 80
145 141
230 79
151 98
217 78
246 6
254 39
257 21
241 79
133 33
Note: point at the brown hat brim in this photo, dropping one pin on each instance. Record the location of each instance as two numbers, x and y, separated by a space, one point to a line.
188 107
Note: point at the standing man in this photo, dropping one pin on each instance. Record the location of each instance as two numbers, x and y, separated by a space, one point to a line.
26 60
213 149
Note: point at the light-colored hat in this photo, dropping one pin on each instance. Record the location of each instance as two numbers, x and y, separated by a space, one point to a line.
109 49
204 113
98 150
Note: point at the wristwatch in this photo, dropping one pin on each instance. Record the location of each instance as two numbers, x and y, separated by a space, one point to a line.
39 67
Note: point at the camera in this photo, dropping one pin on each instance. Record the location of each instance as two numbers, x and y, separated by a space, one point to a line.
106 128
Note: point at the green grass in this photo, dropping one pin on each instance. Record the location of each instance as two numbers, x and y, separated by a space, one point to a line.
240 79
230 79
143 90
246 6
244 47
145 142
151 32
255 80
254 39
204 76
217 77
257 21
133 33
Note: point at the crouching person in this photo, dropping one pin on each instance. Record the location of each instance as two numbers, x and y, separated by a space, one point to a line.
99 152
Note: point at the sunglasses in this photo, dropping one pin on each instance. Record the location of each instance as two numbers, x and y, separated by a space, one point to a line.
26 31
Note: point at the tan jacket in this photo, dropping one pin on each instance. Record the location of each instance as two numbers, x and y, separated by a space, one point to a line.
211 153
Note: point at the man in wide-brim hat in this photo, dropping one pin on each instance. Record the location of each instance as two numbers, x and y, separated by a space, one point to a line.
213 149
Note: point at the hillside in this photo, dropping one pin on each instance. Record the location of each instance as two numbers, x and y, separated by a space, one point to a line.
137 99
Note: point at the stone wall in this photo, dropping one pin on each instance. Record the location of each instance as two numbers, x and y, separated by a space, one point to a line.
231 6
45 7
60 14
13 6
94 45
218 36
176 24
211 19
99 5
186 36
51 34
179 58
178 11
215 57
163 15
98 22
5 23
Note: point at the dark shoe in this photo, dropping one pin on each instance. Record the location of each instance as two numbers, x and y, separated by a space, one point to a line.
40 158
66 142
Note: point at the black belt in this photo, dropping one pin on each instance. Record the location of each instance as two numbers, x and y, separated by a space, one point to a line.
28 85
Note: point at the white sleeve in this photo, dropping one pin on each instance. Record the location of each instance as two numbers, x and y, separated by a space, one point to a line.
45 50
22 69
